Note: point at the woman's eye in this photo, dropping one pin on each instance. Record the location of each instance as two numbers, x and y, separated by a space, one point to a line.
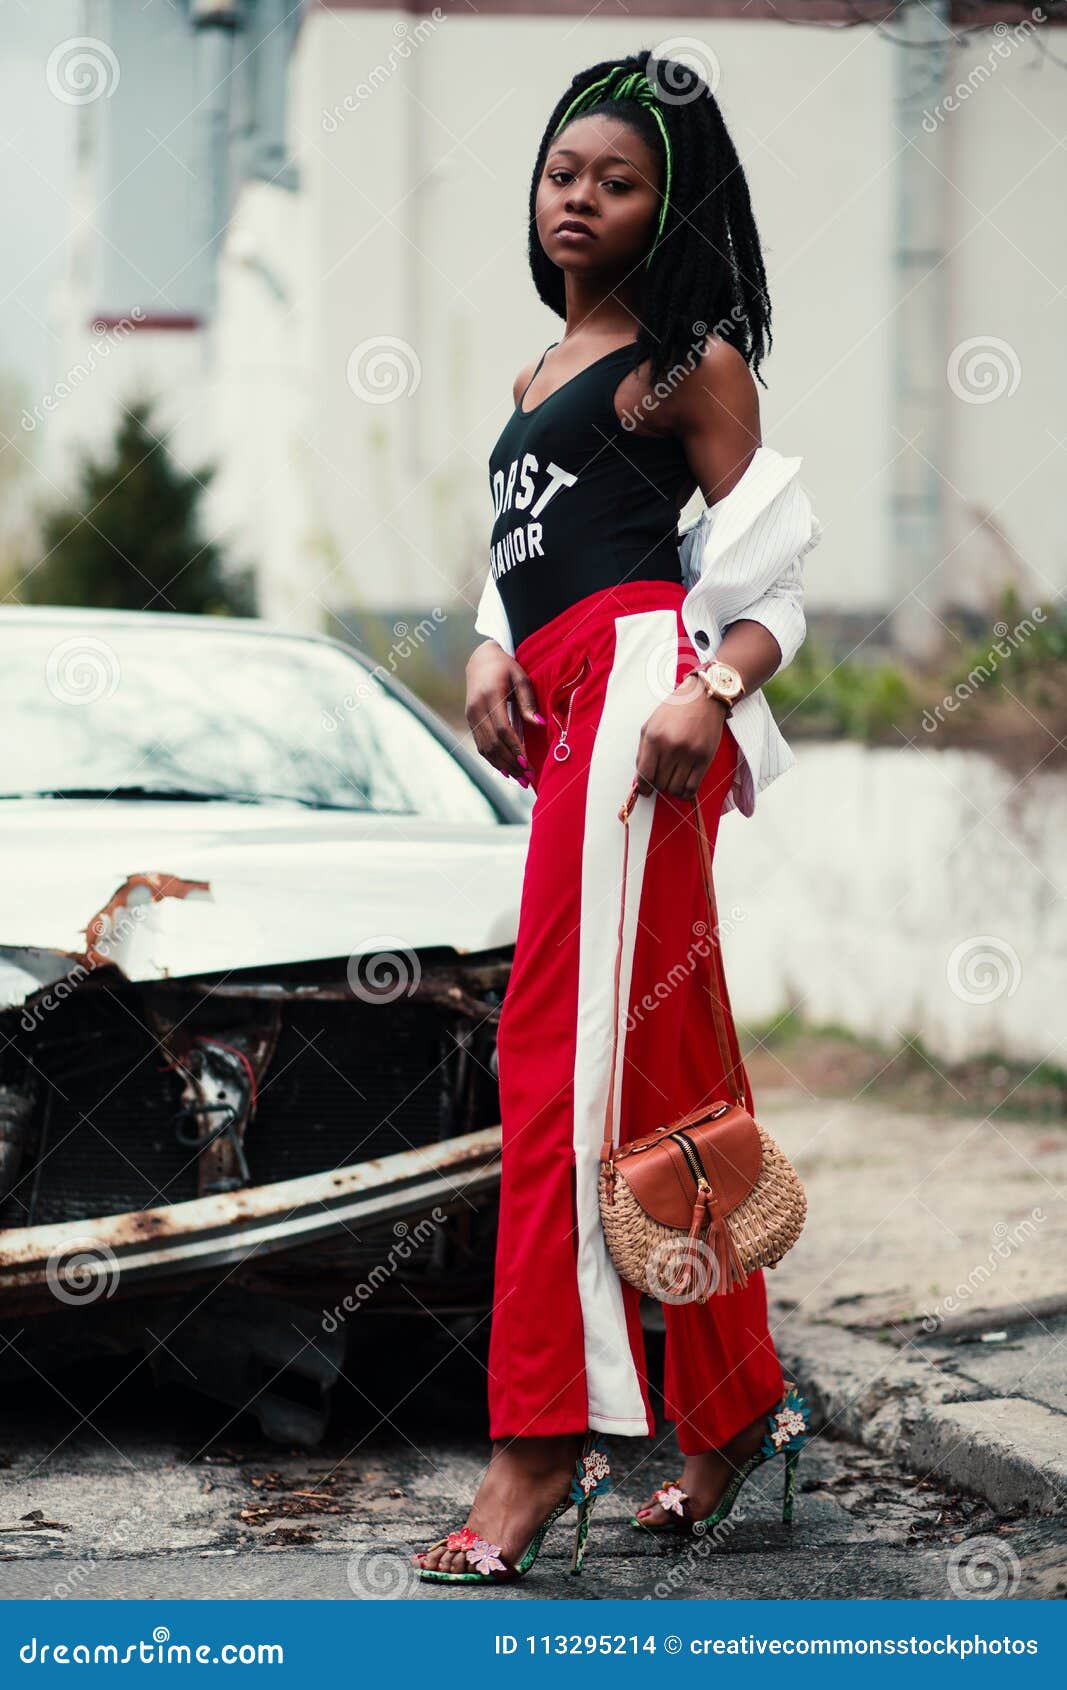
616 183
559 176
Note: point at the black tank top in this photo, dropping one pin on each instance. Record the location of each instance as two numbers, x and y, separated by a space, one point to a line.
581 502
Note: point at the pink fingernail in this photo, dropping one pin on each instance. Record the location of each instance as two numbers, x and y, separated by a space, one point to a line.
539 718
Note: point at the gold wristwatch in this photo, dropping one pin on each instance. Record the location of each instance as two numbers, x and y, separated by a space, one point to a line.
722 681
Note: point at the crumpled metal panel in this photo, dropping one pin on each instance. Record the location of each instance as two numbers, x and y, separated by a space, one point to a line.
45 1267
161 891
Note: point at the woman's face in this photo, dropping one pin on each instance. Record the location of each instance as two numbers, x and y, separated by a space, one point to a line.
603 178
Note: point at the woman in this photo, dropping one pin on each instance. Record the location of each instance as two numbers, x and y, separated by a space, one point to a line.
642 238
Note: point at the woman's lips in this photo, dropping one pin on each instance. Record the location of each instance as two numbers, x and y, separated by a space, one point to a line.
567 233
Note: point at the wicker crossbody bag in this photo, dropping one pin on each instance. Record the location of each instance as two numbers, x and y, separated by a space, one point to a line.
690 1210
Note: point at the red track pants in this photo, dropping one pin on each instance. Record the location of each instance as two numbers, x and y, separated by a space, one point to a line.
566 1350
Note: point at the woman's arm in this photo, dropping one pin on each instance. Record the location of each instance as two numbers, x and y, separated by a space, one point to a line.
781 611
714 412
500 697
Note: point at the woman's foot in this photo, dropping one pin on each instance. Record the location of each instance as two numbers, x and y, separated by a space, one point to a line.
706 1476
524 1481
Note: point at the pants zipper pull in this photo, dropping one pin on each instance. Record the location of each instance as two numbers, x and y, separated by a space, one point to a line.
561 750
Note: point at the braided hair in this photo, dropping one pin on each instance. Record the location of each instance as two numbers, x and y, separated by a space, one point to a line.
705 271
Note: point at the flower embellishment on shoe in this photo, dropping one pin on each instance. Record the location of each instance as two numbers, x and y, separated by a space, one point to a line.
787 1424
483 1556
671 1498
593 1473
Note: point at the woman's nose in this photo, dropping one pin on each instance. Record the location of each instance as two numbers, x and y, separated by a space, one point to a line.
579 198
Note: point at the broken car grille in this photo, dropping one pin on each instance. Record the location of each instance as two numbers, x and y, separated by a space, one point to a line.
348 1081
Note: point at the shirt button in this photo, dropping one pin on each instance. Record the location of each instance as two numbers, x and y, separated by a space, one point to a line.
701 638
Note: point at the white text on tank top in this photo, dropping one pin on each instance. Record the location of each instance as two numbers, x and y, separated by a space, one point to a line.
524 540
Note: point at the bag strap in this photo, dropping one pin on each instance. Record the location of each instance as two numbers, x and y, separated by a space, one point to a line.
720 1003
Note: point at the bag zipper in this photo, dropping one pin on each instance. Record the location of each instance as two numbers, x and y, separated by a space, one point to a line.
692 1156
561 750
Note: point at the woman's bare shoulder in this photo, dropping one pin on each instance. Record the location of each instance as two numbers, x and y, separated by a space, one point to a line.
716 400
525 377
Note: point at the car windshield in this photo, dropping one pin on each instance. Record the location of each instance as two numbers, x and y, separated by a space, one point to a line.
143 711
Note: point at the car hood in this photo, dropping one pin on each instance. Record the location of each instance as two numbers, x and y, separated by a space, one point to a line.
176 890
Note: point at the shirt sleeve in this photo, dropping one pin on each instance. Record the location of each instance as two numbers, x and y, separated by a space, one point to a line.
491 619
743 556
743 559
781 611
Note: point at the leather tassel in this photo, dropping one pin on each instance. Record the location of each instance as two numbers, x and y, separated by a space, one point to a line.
731 1271
683 1282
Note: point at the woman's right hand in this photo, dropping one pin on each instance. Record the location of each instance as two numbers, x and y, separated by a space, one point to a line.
493 680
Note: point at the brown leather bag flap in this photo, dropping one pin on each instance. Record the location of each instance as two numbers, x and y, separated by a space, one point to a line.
657 1171
732 1152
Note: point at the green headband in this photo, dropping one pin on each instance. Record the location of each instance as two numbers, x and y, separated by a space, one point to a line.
621 84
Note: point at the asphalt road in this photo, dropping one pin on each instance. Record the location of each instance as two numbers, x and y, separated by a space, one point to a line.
109 1488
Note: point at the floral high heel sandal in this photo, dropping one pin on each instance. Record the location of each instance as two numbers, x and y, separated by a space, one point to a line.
786 1434
592 1478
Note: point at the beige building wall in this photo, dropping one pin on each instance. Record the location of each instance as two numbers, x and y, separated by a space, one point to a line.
1007 232
412 307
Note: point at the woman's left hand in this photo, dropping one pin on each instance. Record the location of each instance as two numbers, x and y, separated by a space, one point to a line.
679 741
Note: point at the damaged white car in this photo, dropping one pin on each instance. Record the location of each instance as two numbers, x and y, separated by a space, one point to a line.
257 915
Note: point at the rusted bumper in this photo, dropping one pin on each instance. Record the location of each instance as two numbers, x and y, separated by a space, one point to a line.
85 1260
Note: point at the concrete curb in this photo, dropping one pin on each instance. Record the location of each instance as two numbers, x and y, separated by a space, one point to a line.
1010 1450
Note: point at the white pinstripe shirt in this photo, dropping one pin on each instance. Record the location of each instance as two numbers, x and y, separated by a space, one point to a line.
741 558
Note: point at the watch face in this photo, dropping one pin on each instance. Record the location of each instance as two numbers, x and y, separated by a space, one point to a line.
726 679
